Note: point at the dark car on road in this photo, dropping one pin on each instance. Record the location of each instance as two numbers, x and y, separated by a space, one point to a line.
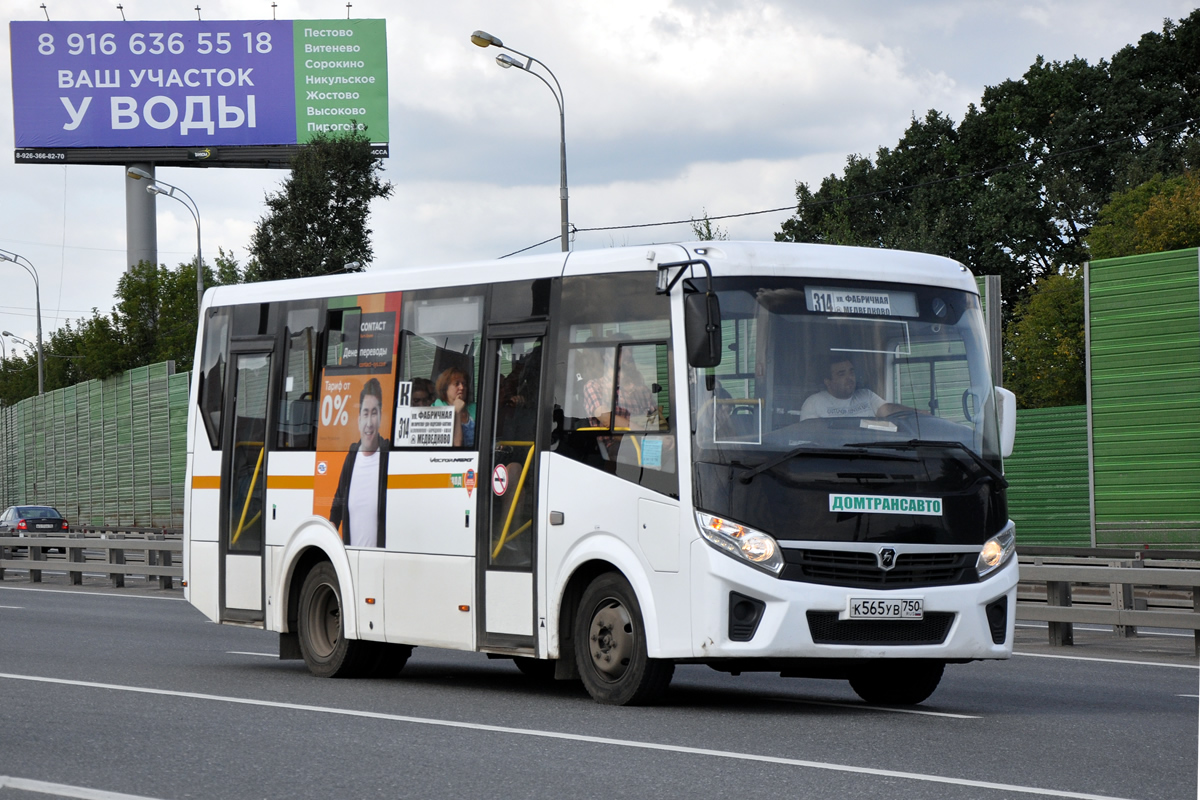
32 521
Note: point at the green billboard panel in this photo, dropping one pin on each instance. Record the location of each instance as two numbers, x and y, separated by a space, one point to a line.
341 77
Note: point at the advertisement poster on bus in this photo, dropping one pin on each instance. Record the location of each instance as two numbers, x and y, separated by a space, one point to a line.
196 84
357 395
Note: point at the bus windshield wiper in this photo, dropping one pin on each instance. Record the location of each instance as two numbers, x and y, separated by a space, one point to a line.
992 472
848 451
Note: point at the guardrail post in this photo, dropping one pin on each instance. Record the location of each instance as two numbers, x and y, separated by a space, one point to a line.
152 556
5 553
1058 593
1196 608
1122 599
164 581
116 556
75 556
36 554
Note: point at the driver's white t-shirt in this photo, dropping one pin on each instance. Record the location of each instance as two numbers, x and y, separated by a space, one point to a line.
863 403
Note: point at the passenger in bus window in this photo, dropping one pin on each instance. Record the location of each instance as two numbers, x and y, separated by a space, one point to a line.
843 397
635 405
358 504
423 392
452 391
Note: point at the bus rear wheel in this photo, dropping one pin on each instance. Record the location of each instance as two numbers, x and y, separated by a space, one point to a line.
610 646
323 643
897 683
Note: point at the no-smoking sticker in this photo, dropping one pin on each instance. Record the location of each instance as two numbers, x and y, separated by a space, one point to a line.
500 480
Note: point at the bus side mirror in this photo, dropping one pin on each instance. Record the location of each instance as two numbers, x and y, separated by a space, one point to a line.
702 329
1007 408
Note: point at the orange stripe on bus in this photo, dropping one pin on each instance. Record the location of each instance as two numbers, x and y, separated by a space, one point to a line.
206 481
420 482
290 482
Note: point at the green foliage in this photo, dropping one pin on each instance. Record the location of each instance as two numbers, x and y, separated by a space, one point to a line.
705 231
154 320
1160 214
1016 187
317 223
1044 344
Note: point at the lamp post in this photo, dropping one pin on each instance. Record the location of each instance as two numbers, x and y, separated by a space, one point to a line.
31 346
27 265
155 187
485 39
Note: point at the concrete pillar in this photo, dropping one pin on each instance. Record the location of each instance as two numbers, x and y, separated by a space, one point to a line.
141 225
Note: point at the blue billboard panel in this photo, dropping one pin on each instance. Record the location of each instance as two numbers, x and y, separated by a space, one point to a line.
195 84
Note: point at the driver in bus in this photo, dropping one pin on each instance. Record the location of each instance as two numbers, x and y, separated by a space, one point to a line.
843 397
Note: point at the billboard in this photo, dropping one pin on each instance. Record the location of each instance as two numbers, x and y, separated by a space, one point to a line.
193 88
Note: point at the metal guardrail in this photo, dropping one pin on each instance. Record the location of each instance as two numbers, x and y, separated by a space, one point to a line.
113 554
1121 588
1060 586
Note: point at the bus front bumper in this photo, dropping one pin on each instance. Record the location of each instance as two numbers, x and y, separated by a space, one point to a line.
801 620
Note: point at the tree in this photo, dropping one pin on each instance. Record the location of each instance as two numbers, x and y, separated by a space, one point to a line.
154 320
317 223
1015 188
704 230
1160 214
1044 344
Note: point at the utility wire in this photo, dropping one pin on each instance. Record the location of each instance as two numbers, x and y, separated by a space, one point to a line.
865 195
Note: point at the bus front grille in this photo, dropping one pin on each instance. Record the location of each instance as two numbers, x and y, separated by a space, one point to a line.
861 570
826 628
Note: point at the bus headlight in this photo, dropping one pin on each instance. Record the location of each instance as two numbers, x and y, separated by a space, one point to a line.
997 551
754 547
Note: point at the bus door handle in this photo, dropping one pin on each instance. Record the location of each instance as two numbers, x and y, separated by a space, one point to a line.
556 518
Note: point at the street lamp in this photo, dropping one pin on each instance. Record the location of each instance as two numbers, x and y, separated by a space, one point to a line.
30 345
485 39
5 255
155 187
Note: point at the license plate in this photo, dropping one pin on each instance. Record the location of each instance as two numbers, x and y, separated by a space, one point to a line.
46 527
884 608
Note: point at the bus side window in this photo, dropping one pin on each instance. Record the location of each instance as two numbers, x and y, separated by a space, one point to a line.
297 415
211 372
441 337
613 388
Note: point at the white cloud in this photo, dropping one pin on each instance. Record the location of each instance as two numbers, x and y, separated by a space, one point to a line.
673 107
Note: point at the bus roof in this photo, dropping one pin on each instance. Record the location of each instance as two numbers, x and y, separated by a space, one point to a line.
776 259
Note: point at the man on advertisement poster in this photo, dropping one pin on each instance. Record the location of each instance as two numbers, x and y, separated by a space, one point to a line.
357 509
350 480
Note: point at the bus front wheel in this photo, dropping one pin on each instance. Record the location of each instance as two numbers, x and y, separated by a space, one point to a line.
610 646
897 683
323 643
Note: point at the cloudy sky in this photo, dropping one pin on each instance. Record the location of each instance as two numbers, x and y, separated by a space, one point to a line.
674 108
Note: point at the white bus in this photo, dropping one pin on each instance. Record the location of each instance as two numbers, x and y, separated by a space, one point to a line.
752 456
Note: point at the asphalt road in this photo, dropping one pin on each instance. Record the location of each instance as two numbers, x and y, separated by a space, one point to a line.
108 694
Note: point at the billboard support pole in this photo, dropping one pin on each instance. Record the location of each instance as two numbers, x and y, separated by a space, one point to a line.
141 226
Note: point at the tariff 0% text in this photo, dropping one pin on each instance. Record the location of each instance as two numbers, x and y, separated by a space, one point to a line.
333 410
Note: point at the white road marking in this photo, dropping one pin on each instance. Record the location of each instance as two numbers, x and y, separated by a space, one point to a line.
246 653
63 790
13 608
1197 696
574 737
89 594
1109 660
864 707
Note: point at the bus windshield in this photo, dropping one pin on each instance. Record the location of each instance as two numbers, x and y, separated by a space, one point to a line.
831 381
831 365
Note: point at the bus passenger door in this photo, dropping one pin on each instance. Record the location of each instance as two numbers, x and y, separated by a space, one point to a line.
508 535
243 485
